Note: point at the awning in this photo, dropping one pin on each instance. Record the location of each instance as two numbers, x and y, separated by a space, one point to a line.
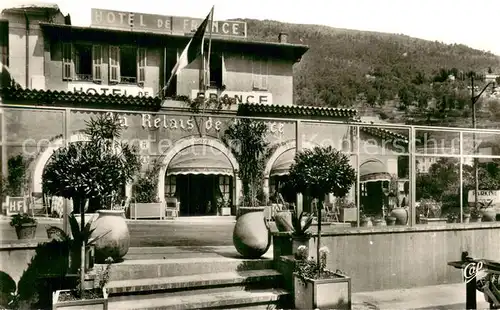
282 164
373 171
200 159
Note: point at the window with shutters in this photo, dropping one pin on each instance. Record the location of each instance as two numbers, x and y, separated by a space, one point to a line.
67 63
83 62
97 63
114 64
260 73
141 65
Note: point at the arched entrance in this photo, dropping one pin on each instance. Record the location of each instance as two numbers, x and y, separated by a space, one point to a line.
199 172
374 182
38 165
276 173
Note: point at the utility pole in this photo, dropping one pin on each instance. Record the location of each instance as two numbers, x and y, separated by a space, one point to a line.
474 100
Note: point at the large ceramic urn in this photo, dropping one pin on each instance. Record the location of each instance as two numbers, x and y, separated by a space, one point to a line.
251 236
116 237
401 215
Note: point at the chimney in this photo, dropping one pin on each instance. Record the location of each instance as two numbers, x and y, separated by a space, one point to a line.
283 37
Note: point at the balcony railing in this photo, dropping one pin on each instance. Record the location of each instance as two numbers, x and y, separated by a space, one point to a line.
83 77
128 80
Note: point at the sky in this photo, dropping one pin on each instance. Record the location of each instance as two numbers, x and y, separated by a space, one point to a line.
471 22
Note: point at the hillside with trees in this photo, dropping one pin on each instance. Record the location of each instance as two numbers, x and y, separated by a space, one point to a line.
403 79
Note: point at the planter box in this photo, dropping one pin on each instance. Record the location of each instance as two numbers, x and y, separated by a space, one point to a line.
282 245
147 210
334 293
349 215
26 231
226 211
82 304
434 221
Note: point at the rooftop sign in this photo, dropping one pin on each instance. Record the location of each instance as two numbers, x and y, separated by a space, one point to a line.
162 23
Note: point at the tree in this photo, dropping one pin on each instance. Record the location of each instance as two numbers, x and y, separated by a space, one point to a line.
318 172
246 139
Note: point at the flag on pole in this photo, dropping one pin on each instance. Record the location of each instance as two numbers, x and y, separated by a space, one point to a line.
192 50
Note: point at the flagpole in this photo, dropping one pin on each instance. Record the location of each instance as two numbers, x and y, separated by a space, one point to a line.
210 39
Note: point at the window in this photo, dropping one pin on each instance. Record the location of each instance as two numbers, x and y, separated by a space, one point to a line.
216 71
127 65
225 187
260 72
83 62
170 185
67 62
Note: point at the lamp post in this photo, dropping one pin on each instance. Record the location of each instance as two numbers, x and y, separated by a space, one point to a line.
474 100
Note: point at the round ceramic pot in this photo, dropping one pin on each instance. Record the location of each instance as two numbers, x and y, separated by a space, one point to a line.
251 237
378 222
401 216
466 218
366 222
489 214
283 220
115 240
391 220
26 231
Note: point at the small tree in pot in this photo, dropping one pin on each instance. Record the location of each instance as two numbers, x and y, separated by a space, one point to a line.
92 169
320 171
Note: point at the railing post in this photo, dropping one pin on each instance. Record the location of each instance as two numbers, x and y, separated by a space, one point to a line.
413 176
298 148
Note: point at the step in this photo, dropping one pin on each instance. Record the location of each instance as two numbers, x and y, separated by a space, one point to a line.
197 281
161 268
212 300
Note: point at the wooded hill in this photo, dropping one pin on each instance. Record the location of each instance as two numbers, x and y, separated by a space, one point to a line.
381 72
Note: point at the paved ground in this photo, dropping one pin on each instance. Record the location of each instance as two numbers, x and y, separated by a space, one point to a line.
183 232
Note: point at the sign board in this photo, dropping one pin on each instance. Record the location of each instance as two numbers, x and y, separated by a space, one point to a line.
16 205
484 197
163 24
127 90
240 96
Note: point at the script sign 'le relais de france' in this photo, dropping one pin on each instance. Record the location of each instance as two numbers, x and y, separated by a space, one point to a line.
163 24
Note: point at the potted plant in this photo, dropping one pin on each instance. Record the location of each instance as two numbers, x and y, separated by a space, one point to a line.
247 140
145 196
466 215
348 210
378 220
475 215
487 210
311 278
24 224
429 212
95 169
76 240
452 217
390 220
223 207
88 298
317 172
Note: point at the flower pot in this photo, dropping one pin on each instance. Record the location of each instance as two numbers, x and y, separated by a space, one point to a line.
466 218
489 214
283 220
251 237
26 231
330 293
365 222
401 215
59 302
297 241
391 220
116 239
378 222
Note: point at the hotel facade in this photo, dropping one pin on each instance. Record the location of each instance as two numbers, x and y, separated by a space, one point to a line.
67 74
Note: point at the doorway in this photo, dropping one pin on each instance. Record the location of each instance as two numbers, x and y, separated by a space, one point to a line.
198 194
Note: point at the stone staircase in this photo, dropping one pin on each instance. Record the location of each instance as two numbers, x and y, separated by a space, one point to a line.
200 278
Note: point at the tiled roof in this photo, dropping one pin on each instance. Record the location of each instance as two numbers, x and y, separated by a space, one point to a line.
54 97
382 133
293 110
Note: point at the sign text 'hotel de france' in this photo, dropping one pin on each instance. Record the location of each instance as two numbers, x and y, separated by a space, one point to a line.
162 23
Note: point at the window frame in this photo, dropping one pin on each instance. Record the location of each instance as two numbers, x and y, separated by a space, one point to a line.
260 73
